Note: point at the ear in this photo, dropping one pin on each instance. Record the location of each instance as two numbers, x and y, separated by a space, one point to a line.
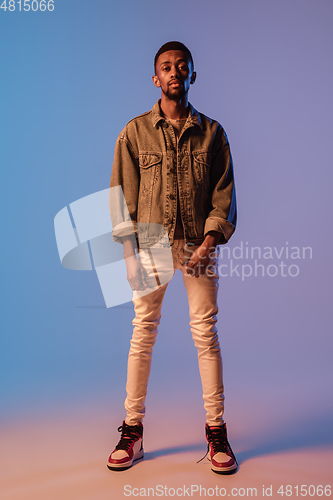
193 77
156 81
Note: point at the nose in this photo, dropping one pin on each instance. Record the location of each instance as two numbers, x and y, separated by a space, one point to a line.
174 72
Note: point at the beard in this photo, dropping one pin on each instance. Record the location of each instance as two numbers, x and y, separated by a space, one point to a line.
175 94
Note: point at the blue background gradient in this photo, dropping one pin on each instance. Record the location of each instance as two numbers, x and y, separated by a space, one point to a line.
70 80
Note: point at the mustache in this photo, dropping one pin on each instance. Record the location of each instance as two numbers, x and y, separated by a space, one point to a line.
175 81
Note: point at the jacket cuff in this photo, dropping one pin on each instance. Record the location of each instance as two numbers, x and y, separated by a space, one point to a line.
125 228
221 226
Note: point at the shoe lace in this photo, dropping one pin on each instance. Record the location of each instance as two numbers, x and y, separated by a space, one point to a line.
128 436
218 440
205 455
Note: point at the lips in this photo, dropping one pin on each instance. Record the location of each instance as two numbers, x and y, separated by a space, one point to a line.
175 83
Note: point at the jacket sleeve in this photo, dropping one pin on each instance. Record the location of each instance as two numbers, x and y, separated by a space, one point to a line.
222 217
124 188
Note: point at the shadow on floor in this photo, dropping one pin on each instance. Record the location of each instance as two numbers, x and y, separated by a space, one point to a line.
199 447
315 431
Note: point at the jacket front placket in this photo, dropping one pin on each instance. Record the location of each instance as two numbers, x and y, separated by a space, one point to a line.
183 173
178 183
171 178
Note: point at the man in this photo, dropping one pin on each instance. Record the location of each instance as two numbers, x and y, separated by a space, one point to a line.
174 167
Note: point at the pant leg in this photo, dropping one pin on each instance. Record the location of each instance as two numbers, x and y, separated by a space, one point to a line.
147 318
159 269
202 297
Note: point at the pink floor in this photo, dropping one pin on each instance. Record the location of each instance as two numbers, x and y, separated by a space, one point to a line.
64 457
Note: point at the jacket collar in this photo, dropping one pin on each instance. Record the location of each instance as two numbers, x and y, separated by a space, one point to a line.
192 119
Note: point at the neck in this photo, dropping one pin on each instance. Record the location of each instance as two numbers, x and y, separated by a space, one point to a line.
175 110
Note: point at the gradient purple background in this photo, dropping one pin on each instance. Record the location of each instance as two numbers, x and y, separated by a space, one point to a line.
71 80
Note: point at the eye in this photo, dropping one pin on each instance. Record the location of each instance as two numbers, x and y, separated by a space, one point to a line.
165 68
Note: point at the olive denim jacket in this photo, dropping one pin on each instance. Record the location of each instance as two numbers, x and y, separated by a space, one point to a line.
153 171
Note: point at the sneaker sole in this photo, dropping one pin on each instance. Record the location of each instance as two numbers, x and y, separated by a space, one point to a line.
228 470
121 467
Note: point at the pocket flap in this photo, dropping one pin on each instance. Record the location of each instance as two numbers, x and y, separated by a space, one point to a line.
148 160
202 158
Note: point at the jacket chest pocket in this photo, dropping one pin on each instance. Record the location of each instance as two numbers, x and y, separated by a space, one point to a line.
150 169
201 167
